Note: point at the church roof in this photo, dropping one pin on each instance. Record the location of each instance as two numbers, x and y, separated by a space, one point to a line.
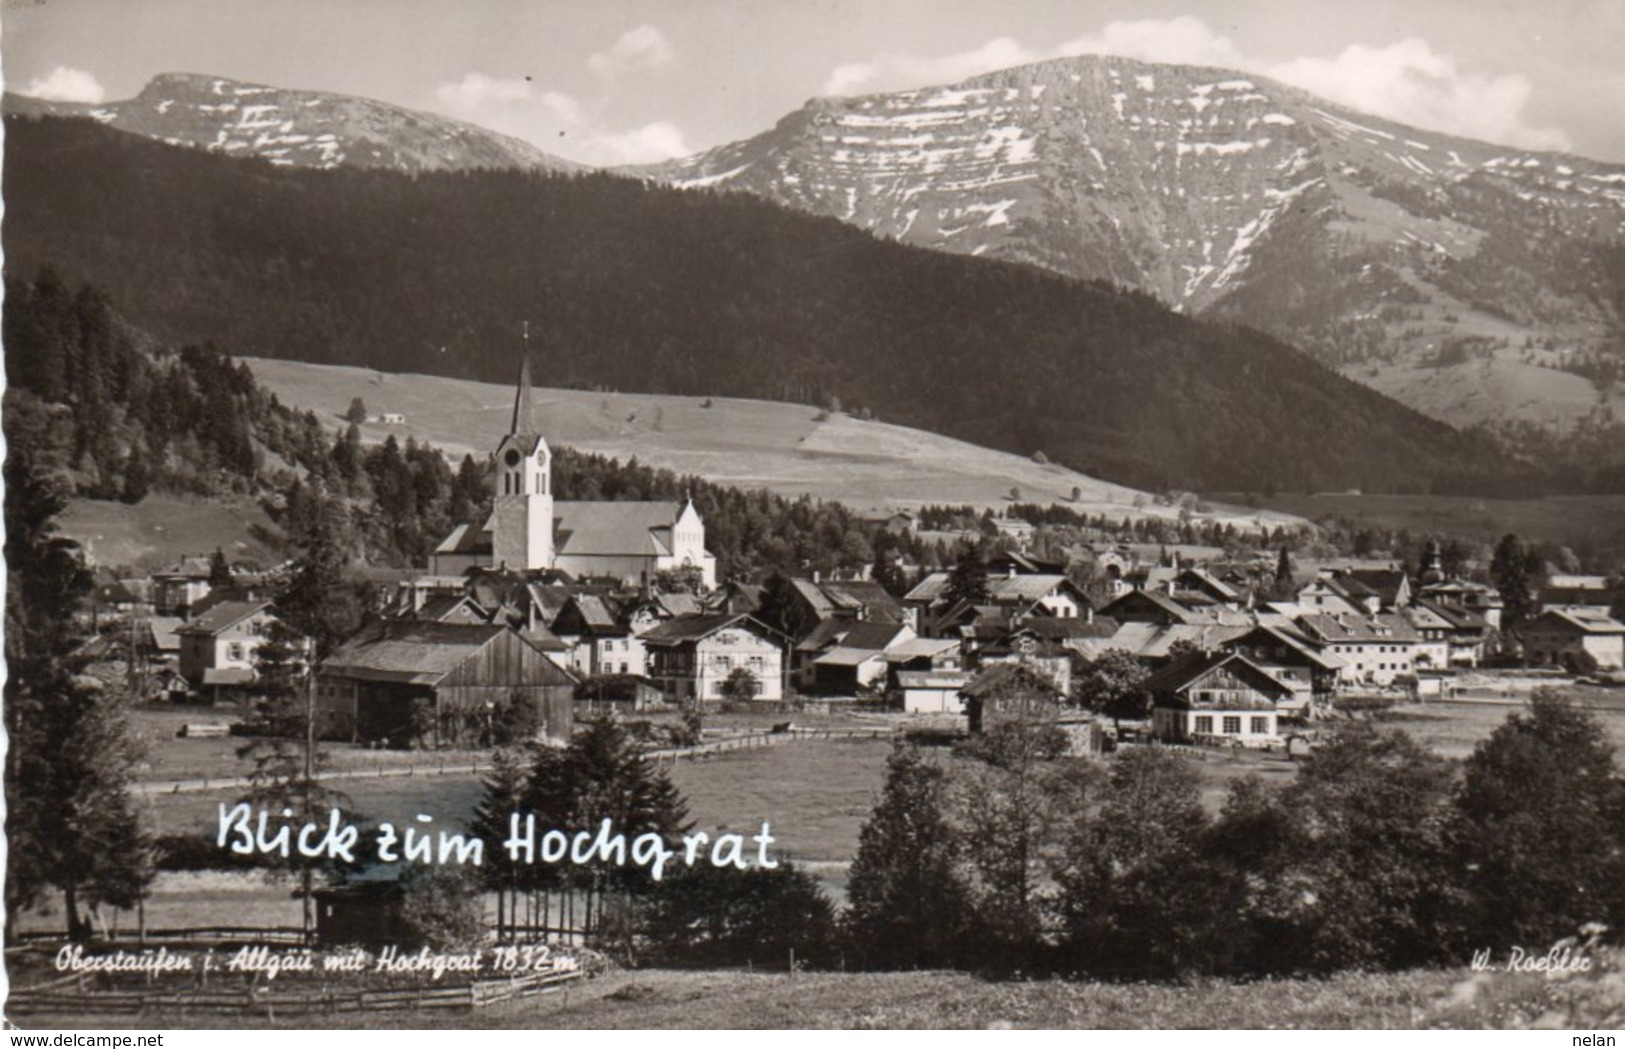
606 529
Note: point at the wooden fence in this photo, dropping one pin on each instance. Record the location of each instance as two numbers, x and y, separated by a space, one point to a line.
71 995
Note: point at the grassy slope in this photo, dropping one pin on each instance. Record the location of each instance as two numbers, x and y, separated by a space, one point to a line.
746 443
160 529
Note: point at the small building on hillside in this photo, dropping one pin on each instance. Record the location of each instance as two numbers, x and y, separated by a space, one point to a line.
1215 696
1579 639
692 657
219 647
180 588
405 682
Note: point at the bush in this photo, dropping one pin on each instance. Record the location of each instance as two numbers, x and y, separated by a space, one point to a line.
441 908
708 916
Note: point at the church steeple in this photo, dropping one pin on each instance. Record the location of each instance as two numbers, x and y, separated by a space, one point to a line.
524 421
522 517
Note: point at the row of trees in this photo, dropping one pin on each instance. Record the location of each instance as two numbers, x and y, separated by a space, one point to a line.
1379 855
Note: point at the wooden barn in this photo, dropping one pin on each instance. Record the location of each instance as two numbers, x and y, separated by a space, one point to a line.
405 683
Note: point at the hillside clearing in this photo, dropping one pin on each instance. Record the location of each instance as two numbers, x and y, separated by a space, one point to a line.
785 448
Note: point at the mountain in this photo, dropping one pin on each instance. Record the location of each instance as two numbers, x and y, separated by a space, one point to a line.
643 288
1468 279
299 128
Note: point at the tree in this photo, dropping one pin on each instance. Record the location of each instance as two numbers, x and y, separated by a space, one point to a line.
316 611
219 569
1375 808
1114 686
967 580
1517 571
440 908
1009 810
502 795
1134 900
909 903
1541 827
721 916
71 823
741 686
357 413
1283 573
602 774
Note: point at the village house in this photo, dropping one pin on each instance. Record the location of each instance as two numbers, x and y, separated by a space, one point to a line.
403 682
218 649
1213 697
178 590
1310 675
693 657
1375 650
1579 639
1010 691
845 657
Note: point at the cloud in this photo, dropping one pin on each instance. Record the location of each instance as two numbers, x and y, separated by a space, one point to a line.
512 105
1407 81
660 140
66 85
645 47
893 70
555 121
1185 40
1410 82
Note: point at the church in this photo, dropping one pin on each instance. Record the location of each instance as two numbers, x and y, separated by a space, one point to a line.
529 531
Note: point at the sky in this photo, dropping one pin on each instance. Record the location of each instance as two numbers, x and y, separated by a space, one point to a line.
631 81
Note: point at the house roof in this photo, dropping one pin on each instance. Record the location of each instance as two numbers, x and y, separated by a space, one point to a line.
1347 629
186 568
1167 605
1586 621
920 648
842 656
929 589
164 637
605 529
1026 588
696 628
410 651
466 538
222 617
994 680
1174 680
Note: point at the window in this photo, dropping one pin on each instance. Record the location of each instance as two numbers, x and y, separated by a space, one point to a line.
1261 726
1232 725
234 651
1204 724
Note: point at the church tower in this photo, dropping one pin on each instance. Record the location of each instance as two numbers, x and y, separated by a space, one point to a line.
522 519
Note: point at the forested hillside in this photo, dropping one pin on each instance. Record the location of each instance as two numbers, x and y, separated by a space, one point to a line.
635 287
117 414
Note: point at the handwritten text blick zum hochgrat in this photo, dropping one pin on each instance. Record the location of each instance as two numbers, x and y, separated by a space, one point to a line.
247 831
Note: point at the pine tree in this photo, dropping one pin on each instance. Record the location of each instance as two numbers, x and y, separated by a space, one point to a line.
71 824
909 903
967 581
219 569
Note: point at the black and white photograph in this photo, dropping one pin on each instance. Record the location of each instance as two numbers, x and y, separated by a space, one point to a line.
814 514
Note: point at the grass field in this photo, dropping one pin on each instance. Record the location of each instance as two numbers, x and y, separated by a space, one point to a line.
785 448
671 1000
160 529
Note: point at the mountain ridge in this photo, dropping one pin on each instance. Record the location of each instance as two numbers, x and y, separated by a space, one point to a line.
298 128
648 289
1368 243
